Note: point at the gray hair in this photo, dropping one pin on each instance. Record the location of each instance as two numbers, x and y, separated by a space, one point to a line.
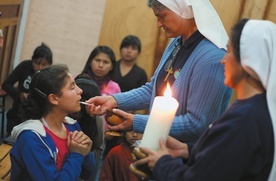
154 4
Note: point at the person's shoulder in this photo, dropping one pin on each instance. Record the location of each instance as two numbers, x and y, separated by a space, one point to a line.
28 137
206 52
116 149
138 68
207 46
26 62
113 84
247 111
71 124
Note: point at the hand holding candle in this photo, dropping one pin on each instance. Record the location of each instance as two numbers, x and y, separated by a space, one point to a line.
158 126
160 120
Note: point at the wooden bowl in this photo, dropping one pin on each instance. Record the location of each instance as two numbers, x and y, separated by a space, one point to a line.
112 118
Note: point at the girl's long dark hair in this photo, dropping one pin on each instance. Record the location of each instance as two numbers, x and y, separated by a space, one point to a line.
49 80
99 49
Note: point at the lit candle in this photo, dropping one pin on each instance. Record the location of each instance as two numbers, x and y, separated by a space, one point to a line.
160 120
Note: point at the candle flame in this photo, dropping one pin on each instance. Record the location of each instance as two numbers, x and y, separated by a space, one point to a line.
168 92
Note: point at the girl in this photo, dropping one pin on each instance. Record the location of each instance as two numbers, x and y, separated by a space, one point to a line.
99 67
18 82
49 145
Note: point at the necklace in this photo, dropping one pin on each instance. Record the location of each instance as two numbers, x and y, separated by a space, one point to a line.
169 64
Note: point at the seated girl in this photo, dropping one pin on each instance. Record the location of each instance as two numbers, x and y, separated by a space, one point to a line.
49 145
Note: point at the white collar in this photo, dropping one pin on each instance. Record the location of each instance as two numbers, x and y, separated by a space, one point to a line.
35 125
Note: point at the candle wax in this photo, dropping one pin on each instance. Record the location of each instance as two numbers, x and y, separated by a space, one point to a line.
160 121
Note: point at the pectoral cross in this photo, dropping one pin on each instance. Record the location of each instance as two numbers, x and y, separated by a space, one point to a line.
170 71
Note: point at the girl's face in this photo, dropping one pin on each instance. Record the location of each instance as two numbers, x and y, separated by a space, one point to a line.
129 53
233 71
101 65
132 136
69 101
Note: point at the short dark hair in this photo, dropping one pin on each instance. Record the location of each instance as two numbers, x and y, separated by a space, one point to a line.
131 40
236 32
43 51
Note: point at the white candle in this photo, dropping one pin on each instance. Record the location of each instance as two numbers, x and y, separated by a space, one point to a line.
160 120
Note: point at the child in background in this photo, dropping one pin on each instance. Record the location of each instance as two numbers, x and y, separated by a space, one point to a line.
99 67
18 82
126 72
117 161
49 145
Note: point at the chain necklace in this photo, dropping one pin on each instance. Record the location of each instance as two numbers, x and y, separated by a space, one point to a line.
169 64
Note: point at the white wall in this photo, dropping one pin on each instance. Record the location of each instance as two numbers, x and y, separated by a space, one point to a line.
71 29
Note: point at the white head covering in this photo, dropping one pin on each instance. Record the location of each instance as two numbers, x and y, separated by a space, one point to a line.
258 58
207 20
1 34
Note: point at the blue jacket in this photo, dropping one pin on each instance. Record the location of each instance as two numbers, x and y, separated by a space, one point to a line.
34 153
199 89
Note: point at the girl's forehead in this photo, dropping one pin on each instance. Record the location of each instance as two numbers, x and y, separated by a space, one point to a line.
69 80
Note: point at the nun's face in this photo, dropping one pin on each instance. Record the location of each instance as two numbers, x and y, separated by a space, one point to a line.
233 71
173 24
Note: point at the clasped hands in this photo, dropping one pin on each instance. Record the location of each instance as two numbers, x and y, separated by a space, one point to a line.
79 142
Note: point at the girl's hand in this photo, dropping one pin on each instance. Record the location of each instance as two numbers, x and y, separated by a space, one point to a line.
79 142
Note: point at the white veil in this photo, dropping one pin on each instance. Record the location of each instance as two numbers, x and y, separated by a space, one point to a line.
260 35
207 20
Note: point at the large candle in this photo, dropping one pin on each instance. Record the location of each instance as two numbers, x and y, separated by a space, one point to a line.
160 120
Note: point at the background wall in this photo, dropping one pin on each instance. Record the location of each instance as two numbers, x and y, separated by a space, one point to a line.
70 28
122 18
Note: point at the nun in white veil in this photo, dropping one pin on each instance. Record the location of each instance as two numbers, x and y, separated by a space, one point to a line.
240 145
258 58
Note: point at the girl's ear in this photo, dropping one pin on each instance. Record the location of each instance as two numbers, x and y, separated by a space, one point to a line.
53 99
